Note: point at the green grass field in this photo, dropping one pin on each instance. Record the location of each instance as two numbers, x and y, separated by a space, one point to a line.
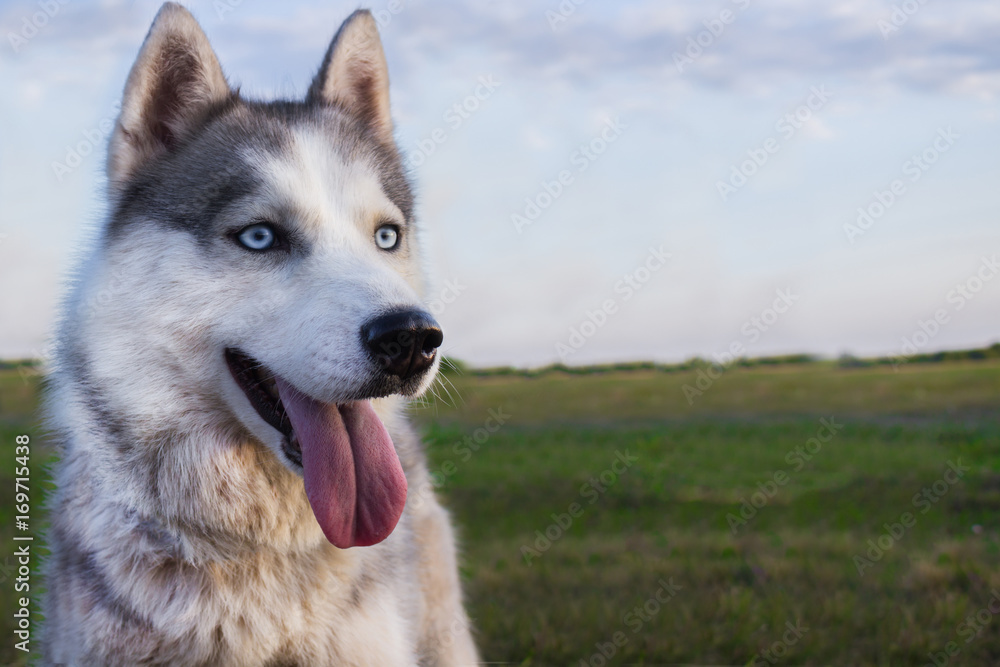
603 517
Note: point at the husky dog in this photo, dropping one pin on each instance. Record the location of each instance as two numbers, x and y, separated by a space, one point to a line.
229 383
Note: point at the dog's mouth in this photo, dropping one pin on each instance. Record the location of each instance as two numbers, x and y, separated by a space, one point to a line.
261 388
352 474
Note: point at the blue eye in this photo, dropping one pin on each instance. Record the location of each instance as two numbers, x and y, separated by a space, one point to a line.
387 237
258 237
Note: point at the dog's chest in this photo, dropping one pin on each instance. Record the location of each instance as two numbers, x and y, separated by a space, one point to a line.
286 611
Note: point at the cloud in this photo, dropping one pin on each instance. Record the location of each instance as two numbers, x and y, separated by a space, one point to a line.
606 59
948 48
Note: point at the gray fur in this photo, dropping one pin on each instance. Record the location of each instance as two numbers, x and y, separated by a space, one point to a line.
180 534
209 167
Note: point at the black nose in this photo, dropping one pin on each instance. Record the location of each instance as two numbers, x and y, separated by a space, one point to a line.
402 342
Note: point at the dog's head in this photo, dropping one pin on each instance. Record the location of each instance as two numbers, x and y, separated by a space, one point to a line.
277 255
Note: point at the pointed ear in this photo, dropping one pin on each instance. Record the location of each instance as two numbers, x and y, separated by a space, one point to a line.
354 75
174 81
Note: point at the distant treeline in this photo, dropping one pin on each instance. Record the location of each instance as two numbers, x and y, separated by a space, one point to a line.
11 364
456 367
991 352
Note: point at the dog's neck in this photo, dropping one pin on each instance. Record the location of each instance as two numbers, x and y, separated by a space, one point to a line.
210 490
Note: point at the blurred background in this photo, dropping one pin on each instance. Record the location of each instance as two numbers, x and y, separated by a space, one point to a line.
758 240
695 90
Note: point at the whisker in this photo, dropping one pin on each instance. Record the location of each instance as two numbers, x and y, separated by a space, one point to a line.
461 399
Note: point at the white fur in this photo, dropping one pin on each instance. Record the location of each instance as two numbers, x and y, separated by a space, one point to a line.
181 535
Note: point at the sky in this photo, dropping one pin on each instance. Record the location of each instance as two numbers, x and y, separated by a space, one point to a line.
597 181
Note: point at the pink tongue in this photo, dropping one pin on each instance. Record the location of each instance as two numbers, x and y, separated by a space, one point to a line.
353 477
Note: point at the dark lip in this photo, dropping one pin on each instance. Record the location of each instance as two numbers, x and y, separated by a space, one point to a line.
382 385
251 376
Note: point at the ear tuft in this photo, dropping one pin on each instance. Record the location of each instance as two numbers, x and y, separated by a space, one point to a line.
175 80
354 75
